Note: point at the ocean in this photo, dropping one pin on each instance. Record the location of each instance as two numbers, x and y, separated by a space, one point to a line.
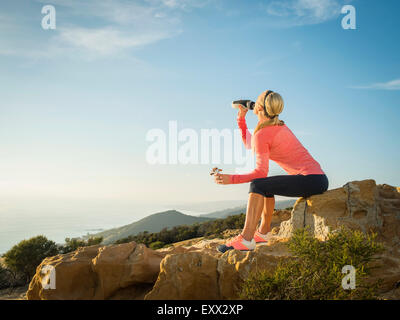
68 219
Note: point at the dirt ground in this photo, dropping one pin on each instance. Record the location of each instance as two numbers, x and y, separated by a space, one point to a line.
17 293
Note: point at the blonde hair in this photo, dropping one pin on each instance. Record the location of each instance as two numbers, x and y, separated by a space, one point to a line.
274 105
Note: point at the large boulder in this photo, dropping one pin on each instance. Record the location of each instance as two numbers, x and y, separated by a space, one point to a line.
99 272
361 205
208 274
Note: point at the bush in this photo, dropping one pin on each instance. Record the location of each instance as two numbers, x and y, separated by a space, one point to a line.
9 279
315 271
74 243
5 277
210 229
156 245
24 257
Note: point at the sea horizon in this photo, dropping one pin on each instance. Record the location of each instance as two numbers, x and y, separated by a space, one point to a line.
26 220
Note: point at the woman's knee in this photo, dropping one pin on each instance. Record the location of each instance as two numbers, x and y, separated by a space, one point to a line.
326 183
323 185
255 187
319 187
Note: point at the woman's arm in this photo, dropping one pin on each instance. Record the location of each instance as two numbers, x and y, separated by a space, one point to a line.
262 163
246 135
241 121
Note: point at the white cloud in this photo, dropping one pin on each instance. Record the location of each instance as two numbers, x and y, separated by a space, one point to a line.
108 40
172 3
183 4
390 85
100 27
304 12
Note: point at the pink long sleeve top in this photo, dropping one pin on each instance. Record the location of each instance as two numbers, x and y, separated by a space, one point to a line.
279 144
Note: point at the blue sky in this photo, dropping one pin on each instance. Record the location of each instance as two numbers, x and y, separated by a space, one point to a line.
77 102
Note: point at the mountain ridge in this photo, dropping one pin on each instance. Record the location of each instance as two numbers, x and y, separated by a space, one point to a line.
152 223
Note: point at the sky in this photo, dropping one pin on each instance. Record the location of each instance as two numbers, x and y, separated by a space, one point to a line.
77 102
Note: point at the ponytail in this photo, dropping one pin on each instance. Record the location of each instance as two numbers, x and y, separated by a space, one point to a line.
273 106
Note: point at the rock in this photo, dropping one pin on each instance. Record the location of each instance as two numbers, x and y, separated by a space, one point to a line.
190 275
207 274
358 205
75 279
279 216
124 265
133 271
99 272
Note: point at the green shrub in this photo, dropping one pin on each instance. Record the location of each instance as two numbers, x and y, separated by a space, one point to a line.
24 257
208 229
315 271
75 243
5 277
9 279
156 245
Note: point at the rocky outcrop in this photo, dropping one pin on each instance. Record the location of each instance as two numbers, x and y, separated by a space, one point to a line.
358 205
99 272
207 274
133 271
194 269
361 205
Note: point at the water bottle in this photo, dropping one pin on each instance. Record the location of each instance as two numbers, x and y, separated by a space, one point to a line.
248 104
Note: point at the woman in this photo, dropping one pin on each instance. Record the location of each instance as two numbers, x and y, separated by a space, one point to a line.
271 139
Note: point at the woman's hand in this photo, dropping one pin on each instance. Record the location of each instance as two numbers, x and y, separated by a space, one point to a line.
242 111
222 178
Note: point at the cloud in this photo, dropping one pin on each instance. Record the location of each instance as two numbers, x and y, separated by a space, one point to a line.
304 12
108 40
390 85
122 26
99 27
185 4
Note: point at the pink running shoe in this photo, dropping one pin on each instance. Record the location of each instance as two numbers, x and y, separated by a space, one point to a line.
260 238
237 243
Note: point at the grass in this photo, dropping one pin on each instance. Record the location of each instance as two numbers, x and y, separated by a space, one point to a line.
315 271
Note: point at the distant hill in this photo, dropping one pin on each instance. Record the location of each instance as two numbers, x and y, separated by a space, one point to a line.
282 204
152 223
205 207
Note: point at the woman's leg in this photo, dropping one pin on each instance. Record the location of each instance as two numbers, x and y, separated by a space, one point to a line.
255 206
266 217
261 198
290 185
266 188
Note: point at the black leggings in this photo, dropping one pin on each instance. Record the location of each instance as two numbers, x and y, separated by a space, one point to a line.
290 185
